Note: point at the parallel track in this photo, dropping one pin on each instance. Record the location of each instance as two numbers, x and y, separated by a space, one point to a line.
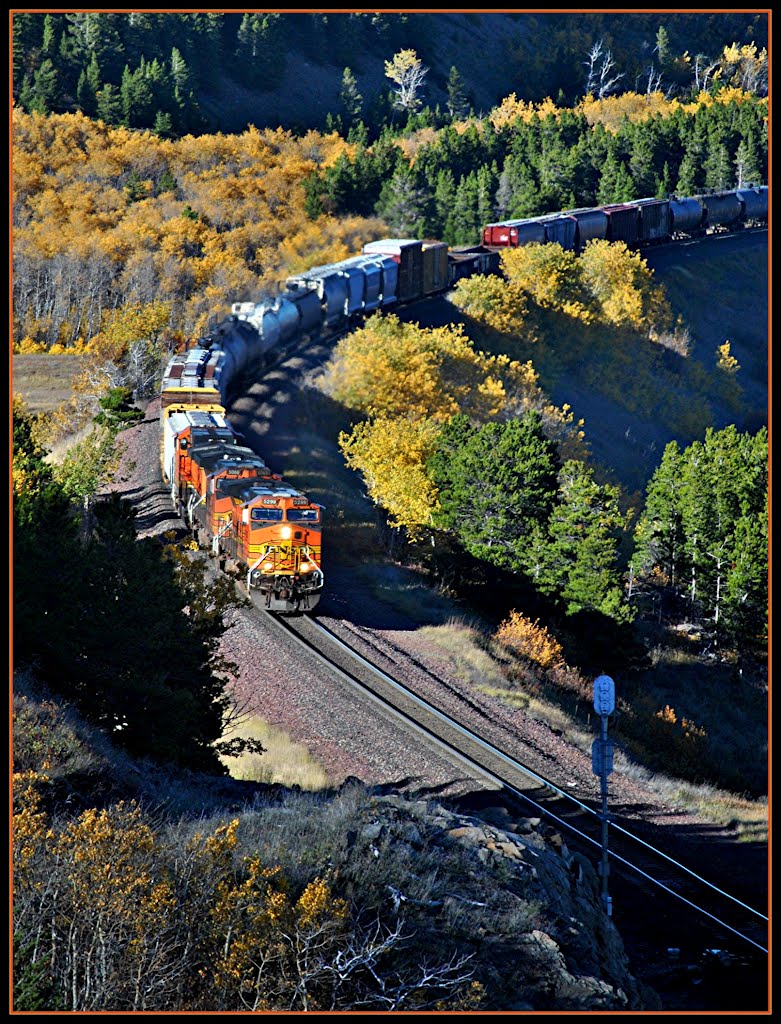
704 913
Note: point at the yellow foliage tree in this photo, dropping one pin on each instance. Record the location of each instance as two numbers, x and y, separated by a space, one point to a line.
389 368
501 305
391 455
726 361
550 275
610 111
623 287
512 109
133 322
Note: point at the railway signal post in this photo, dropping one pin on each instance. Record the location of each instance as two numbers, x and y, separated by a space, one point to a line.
602 765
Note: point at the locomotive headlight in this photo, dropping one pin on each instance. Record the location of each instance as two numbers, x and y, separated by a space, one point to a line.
286 532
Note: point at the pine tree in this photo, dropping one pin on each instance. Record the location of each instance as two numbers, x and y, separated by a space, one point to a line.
688 173
46 93
659 531
102 39
350 97
662 47
641 163
747 164
457 103
497 486
162 125
581 560
166 183
664 183
718 167
27 32
88 88
134 186
615 184
109 104
50 43
404 202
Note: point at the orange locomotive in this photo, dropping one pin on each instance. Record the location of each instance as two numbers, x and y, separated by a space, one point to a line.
260 528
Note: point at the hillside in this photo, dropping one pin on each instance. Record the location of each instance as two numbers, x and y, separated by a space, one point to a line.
485 912
233 69
495 54
734 269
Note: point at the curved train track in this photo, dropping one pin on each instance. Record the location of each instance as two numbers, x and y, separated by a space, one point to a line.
696 910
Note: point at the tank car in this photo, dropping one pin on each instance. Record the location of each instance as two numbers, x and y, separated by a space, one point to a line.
722 210
592 225
755 205
686 216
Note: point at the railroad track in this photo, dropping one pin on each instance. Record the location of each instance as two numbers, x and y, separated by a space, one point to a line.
692 911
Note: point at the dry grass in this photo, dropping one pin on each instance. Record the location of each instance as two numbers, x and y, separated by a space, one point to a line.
748 817
284 762
470 661
44 381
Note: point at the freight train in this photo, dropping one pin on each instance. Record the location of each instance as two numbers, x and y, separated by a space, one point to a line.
246 516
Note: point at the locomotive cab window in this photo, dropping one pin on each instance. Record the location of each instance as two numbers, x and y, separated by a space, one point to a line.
303 515
266 515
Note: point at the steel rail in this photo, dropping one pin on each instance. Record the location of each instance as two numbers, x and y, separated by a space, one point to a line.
494 751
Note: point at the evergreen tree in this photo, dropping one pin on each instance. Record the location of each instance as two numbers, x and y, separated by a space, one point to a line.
664 183
641 164
162 125
138 104
688 174
134 186
718 168
581 560
497 486
117 409
86 98
615 184
659 531
50 43
109 104
747 163
166 183
457 103
662 48
45 93
102 40
705 528
27 35
404 202
350 97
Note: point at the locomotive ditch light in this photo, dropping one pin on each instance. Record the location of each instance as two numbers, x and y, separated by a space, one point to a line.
268 567
305 567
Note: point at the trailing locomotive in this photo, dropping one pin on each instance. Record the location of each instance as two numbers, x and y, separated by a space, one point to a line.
245 515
